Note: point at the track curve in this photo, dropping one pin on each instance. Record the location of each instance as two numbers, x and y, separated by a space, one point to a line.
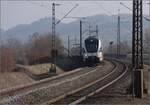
81 94
33 93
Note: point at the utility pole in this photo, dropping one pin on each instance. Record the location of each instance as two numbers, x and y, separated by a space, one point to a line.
75 40
68 46
54 23
80 39
137 48
118 35
97 30
149 8
89 29
149 26
149 11
54 50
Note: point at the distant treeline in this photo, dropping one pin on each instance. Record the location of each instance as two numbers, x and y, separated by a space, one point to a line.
126 48
38 46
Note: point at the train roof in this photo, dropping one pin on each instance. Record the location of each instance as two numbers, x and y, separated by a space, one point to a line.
92 38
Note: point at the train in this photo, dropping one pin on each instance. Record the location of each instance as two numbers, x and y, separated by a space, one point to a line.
92 50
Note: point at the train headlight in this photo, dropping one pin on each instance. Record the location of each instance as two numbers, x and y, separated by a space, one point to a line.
85 55
100 53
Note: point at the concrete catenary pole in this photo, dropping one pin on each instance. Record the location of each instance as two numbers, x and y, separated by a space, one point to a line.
118 35
81 39
68 46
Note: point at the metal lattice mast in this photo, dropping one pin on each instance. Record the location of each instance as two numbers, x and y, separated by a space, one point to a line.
80 38
137 48
53 26
53 51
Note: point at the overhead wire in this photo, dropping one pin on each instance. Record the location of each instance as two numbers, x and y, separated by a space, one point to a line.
101 6
35 3
42 5
67 14
131 10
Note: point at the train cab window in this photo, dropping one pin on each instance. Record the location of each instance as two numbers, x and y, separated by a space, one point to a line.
91 45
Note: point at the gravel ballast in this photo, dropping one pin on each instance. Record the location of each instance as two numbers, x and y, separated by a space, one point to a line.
47 92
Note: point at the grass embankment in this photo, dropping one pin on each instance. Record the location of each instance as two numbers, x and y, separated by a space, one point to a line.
10 79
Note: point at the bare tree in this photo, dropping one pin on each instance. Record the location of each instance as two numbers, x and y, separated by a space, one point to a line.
124 48
16 47
7 62
40 46
14 51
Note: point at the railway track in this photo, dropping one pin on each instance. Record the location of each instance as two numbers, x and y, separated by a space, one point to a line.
83 93
22 90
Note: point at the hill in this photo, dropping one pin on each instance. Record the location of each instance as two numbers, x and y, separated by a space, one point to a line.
107 28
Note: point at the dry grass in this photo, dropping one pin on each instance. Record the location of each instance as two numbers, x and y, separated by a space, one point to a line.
10 79
41 68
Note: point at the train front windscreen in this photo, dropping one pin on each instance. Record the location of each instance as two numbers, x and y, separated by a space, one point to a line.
91 45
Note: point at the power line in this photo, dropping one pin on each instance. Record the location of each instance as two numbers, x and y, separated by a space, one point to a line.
131 10
67 14
33 2
103 8
42 5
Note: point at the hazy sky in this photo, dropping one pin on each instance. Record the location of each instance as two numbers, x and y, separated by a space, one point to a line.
25 12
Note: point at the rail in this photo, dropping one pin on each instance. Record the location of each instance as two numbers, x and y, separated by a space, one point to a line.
78 95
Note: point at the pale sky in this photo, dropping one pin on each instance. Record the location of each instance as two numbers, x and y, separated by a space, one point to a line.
25 12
